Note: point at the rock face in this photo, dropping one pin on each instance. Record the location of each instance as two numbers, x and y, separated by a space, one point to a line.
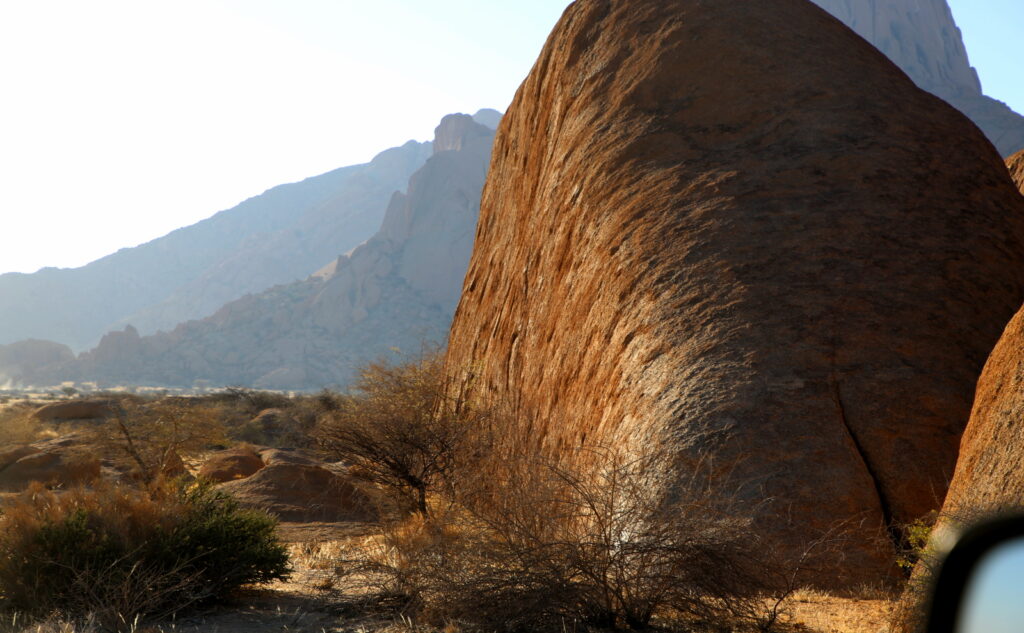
922 38
396 290
730 228
277 237
1016 165
989 473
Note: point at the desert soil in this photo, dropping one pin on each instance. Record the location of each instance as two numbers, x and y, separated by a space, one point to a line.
309 602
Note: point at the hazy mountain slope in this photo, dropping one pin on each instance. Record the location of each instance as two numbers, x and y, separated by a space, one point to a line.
275 237
397 290
922 38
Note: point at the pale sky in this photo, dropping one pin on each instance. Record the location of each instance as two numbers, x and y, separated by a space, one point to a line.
121 120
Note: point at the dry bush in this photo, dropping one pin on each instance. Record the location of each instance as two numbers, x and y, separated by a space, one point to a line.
547 546
399 429
239 411
119 555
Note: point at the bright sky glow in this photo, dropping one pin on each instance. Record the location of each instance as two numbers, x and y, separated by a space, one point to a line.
121 120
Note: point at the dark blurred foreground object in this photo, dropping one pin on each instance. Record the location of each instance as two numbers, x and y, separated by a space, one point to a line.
980 586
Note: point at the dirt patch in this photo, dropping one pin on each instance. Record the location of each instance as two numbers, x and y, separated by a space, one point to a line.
822 613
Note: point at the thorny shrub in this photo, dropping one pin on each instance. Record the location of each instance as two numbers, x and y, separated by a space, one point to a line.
548 546
399 429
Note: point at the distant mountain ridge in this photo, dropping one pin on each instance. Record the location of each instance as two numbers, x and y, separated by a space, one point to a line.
396 291
276 237
922 38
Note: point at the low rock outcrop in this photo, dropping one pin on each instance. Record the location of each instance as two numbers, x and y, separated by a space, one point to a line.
733 229
81 409
231 464
62 462
301 492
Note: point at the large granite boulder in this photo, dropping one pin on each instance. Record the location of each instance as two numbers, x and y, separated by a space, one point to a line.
734 228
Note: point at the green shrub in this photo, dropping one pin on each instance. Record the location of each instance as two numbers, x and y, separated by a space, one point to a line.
120 554
914 537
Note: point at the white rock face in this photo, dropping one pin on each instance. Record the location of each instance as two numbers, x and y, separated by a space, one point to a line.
922 38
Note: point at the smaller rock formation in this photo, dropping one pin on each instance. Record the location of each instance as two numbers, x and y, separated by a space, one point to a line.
298 489
81 409
231 464
62 462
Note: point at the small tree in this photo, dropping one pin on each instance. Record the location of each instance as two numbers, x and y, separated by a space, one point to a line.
398 428
151 437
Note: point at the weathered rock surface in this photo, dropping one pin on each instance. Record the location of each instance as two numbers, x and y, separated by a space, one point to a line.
231 464
277 237
300 492
989 474
922 38
396 290
732 228
1016 165
63 462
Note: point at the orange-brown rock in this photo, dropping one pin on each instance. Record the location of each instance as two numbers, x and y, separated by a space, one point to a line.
989 473
83 409
1016 165
734 228
299 492
63 462
231 464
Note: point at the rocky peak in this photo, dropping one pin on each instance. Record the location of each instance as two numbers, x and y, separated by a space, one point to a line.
489 117
456 131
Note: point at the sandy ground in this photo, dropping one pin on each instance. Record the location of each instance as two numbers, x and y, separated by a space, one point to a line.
307 603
